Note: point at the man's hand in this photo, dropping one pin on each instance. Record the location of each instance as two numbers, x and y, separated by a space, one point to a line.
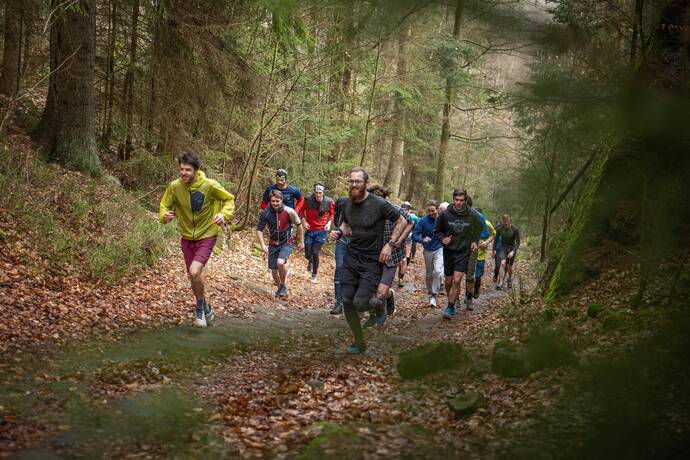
300 245
305 225
482 244
446 240
336 234
473 246
511 254
169 216
385 254
327 227
219 219
426 239
264 249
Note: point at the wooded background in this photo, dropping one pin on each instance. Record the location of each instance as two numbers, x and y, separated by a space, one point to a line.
513 100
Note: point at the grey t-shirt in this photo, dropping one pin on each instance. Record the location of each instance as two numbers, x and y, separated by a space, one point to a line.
367 220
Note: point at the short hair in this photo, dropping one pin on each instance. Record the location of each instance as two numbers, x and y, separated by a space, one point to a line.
276 193
433 203
190 158
507 214
379 190
365 174
460 191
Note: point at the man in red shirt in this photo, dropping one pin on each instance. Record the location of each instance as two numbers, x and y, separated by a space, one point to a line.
317 215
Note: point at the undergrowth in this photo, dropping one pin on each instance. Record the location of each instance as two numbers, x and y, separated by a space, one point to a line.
74 222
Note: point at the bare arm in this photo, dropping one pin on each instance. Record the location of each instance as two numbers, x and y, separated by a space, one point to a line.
300 236
405 232
260 239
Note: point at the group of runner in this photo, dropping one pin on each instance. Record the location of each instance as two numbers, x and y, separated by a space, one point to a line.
374 239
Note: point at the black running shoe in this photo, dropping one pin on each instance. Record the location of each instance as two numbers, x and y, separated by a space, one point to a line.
370 322
390 305
337 309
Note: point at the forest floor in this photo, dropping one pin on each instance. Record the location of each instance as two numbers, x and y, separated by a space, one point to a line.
95 371
120 369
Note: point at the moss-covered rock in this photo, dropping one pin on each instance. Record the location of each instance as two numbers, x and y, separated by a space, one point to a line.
509 360
595 310
430 358
332 442
544 348
549 348
467 403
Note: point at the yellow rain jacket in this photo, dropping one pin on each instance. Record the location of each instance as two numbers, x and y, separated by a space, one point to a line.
196 205
492 231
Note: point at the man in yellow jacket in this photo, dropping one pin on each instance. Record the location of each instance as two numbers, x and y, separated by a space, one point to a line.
202 206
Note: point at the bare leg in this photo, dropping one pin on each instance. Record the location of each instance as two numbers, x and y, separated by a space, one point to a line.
276 277
196 280
282 271
454 292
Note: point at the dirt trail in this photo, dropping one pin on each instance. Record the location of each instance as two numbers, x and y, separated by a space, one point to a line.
260 383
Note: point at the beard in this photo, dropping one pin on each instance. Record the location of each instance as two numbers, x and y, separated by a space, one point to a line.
357 193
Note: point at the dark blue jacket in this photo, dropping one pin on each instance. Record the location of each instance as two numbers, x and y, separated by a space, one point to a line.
424 228
292 197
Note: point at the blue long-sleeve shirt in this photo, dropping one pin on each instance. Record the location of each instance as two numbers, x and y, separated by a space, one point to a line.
423 228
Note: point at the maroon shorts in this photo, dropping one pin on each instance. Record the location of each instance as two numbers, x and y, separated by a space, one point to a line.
197 250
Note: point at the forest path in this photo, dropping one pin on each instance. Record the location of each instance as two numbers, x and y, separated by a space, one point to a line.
262 384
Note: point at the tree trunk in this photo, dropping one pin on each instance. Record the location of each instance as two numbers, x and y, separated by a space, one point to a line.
153 72
397 154
440 185
67 128
636 29
547 205
411 184
346 75
371 100
110 76
259 139
11 59
128 91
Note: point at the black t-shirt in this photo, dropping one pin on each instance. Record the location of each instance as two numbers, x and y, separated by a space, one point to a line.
510 236
367 219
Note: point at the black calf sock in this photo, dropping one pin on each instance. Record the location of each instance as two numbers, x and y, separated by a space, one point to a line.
353 321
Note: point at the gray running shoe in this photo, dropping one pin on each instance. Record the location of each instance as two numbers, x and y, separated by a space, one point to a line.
208 312
468 303
282 291
509 284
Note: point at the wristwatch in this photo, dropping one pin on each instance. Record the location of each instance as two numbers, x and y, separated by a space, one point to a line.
391 243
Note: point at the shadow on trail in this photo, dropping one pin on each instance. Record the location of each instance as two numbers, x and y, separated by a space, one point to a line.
104 400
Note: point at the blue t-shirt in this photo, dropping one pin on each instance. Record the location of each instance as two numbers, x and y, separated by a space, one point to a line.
291 195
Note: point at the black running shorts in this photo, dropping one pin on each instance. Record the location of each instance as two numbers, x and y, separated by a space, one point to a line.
503 252
455 261
360 278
